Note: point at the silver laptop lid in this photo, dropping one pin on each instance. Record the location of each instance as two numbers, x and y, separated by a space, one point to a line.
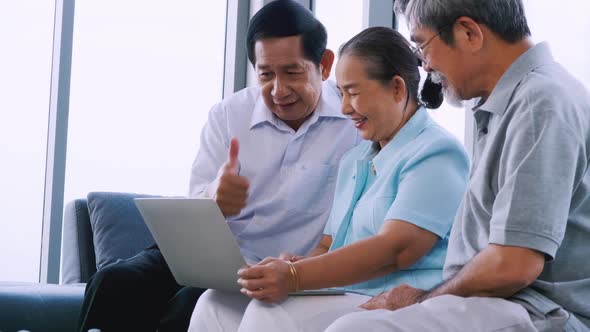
195 240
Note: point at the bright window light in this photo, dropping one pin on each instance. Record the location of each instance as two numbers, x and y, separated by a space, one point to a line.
144 76
26 36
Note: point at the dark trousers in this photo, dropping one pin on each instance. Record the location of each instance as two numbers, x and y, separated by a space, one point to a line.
137 294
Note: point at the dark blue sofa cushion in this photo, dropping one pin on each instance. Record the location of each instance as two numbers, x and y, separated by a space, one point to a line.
118 229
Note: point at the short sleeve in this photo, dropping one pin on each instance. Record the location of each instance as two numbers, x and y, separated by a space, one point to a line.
536 182
431 187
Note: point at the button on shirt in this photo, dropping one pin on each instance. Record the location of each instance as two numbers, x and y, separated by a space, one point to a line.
418 177
291 173
530 184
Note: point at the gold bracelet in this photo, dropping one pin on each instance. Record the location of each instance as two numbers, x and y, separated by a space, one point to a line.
294 276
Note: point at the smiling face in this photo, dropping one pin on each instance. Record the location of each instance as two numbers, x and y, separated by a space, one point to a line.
375 108
290 84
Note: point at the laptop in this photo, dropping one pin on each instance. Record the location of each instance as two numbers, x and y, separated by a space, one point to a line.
197 243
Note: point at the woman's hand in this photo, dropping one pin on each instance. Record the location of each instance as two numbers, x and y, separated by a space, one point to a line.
290 257
268 281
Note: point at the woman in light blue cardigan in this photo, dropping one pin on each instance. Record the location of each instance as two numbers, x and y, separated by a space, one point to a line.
396 197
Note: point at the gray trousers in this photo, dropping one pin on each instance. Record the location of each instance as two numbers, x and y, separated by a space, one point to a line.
453 313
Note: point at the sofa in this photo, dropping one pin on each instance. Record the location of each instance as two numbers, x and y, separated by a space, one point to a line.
97 230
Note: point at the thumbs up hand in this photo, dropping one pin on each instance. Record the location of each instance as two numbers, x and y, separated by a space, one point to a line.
232 191
233 164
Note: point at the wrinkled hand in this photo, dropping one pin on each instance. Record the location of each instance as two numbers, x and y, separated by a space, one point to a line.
290 257
268 281
232 190
396 298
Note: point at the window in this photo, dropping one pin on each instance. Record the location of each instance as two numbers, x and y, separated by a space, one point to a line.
566 33
341 24
144 76
26 36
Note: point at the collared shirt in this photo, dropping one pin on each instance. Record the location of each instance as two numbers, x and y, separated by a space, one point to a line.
291 173
530 183
418 177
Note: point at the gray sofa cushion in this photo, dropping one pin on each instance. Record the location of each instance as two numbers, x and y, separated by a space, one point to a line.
118 229
78 262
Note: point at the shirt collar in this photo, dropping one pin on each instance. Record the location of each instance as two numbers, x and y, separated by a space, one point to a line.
328 106
533 58
415 125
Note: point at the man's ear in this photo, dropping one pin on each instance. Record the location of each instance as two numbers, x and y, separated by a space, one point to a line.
468 33
326 64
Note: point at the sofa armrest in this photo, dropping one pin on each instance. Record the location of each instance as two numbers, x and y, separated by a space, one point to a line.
78 261
26 306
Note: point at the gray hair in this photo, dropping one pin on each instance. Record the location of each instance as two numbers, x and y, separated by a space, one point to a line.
505 18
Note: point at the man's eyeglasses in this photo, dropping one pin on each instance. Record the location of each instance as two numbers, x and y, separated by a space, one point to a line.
420 48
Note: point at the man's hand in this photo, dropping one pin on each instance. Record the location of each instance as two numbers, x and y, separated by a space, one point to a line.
396 298
232 190
268 281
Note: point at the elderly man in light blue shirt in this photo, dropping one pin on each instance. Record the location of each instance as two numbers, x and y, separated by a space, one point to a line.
268 156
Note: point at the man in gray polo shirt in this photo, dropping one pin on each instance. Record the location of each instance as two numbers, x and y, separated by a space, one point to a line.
518 252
